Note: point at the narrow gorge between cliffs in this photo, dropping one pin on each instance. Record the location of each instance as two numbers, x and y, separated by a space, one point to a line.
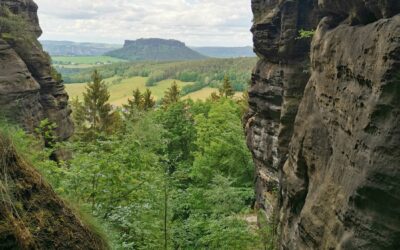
153 125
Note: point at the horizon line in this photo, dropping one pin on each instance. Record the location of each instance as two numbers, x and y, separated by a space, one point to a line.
110 43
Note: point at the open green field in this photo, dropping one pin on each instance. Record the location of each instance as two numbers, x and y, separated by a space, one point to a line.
201 94
205 93
121 92
78 61
198 78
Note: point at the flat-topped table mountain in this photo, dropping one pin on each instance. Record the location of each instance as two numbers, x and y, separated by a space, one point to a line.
155 49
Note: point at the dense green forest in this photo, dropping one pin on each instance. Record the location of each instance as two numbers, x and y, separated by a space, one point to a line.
203 73
173 175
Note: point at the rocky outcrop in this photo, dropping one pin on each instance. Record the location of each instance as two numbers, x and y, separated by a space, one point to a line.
32 216
28 93
278 83
337 165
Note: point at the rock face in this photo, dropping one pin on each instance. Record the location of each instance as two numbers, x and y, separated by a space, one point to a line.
334 152
28 93
278 84
31 214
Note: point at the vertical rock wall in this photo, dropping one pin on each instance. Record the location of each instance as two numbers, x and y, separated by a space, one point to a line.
28 93
341 184
278 83
333 148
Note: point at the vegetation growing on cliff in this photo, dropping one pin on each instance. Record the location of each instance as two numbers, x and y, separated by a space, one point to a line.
32 216
13 29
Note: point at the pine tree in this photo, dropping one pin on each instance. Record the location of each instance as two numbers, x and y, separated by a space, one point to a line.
226 89
172 95
134 104
98 112
148 100
137 99
78 115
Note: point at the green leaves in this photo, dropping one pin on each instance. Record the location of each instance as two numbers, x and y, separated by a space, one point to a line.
221 145
181 174
121 180
304 34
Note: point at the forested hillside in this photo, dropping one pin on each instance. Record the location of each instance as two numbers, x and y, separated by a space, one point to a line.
67 48
194 75
177 175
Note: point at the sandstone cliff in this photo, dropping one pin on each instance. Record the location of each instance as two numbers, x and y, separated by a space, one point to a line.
32 216
28 93
325 129
278 84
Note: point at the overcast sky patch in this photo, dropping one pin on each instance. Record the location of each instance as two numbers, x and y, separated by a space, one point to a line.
195 22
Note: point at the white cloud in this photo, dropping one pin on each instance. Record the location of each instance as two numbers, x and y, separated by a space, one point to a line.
196 22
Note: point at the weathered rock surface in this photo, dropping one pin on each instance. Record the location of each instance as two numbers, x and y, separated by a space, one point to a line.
28 93
277 87
338 165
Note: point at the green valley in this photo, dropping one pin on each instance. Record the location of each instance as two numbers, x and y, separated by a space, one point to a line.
83 61
197 79
120 92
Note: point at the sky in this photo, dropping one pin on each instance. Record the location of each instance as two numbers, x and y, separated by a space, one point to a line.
195 22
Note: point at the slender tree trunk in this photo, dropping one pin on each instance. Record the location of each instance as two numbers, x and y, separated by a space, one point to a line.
93 191
166 209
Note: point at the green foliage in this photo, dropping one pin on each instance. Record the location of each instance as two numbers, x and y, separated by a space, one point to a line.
178 122
193 88
14 29
46 131
136 102
119 181
148 100
268 232
87 60
208 72
27 145
95 113
172 95
155 77
199 223
179 176
32 151
221 145
12 26
305 34
226 89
